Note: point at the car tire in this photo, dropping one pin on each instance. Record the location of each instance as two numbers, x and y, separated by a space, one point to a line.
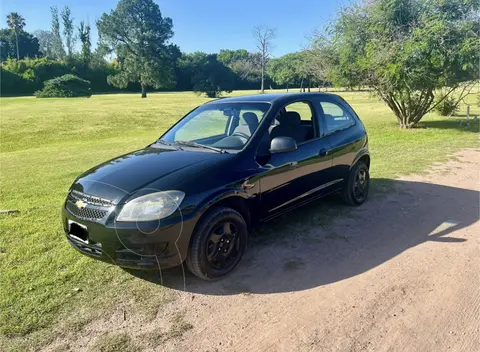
209 249
355 190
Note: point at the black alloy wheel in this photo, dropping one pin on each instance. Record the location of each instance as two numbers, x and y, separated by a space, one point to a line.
218 243
355 190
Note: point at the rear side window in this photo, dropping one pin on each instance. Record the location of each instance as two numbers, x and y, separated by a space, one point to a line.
336 118
302 108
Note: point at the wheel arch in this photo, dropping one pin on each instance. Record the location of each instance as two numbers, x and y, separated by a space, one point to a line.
362 156
238 201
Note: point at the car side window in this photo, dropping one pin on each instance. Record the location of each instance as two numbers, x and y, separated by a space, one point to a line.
295 121
302 108
336 118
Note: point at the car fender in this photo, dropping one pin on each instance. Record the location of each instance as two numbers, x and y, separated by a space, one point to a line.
360 155
219 196
242 200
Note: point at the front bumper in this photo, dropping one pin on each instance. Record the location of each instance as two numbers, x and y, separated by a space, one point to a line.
150 245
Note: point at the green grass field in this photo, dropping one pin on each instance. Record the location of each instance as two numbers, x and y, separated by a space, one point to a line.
46 288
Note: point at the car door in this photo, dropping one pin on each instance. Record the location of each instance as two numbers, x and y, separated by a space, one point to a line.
342 132
291 178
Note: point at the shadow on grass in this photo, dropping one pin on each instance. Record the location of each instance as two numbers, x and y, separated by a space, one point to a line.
325 242
454 123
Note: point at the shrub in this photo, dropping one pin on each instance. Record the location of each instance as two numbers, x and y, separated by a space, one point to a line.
448 106
35 72
29 75
13 84
66 86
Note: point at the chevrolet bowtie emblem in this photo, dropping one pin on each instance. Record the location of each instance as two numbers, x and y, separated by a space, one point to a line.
80 204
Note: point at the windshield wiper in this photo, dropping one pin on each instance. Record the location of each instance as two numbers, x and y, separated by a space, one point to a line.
161 141
198 145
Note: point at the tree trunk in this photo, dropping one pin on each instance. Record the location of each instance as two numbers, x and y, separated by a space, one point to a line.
408 107
287 87
18 52
144 90
262 90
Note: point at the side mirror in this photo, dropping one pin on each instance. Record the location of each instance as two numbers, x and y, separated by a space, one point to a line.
282 145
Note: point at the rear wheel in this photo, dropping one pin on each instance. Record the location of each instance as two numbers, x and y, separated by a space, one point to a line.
218 243
356 188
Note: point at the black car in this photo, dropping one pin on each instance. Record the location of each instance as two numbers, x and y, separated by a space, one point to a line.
225 167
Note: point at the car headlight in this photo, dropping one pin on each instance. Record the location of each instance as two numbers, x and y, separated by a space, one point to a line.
153 206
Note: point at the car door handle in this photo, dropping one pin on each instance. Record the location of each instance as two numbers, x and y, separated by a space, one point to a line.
323 152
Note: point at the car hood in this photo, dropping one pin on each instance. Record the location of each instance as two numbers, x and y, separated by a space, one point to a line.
124 175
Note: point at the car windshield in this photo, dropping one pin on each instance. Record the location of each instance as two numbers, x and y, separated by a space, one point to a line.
218 126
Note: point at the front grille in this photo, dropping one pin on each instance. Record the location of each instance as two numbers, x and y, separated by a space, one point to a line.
87 212
76 195
94 208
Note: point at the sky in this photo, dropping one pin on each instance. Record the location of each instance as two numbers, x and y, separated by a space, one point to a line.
207 25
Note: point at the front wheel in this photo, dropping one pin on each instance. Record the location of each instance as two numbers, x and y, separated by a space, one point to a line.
356 187
218 243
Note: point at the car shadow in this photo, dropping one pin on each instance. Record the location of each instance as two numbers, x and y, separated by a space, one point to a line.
325 241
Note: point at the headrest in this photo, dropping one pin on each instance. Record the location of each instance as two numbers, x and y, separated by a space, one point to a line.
290 118
250 118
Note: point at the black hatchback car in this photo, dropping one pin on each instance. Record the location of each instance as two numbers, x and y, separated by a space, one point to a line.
225 167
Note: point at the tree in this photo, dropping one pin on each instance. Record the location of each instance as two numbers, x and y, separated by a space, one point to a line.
407 51
5 45
45 41
228 57
84 35
319 59
284 70
16 23
295 68
58 52
244 65
247 69
185 68
27 44
264 36
85 57
208 74
139 35
311 69
98 55
68 30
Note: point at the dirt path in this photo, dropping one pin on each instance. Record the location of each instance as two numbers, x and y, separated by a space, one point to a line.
400 273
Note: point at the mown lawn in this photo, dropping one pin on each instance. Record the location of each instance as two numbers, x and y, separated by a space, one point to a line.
47 288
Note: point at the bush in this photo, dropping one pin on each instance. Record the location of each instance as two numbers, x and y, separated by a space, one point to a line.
14 84
29 75
66 86
34 72
448 106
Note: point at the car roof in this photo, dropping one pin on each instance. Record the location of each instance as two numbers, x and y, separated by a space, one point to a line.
271 98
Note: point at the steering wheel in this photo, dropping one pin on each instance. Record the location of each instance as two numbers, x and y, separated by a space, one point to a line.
240 134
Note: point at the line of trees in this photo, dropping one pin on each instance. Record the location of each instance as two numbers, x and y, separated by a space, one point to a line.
414 54
139 38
